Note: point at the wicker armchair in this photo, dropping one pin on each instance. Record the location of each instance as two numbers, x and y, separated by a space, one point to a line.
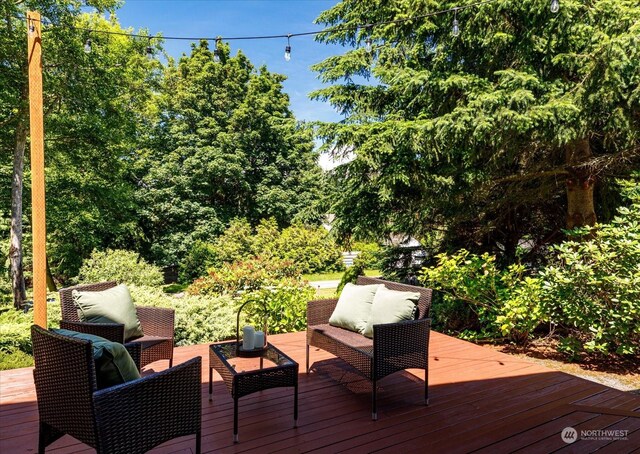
157 325
130 418
394 347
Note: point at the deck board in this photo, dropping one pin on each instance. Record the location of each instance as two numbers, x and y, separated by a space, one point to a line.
480 400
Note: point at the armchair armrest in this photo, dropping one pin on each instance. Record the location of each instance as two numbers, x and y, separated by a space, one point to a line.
110 331
319 311
156 321
135 351
399 346
164 405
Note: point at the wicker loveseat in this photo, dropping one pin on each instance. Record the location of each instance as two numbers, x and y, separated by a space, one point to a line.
157 324
394 347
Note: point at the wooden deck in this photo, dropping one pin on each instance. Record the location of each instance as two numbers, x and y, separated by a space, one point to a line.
481 401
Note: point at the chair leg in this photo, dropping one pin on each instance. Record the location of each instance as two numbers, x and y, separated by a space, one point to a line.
374 407
46 436
170 362
426 388
198 442
307 358
42 442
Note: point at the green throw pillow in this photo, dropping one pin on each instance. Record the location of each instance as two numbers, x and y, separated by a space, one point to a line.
391 306
114 365
354 307
109 306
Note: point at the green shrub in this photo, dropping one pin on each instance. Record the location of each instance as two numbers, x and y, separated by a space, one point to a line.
245 275
199 319
15 326
15 333
272 282
15 360
592 287
285 306
312 250
119 265
507 302
351 275
309 249
200 257
370 254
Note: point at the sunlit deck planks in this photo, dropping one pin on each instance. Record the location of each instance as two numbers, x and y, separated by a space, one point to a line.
480 400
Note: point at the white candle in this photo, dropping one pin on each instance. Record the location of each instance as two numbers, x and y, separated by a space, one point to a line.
248 337
258 340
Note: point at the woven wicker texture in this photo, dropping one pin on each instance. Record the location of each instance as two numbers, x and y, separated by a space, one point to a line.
157 324
129 418
395 346
240 384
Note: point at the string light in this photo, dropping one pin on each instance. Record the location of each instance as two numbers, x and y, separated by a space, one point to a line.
455 31
287 49
87 46
555 6
149 50
216 51
32 28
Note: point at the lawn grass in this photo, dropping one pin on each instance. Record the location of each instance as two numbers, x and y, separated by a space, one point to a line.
334 276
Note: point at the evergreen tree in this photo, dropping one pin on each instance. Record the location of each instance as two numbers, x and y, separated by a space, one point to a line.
486 138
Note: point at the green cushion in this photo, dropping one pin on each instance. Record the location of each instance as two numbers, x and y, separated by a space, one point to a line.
114 365
354 307
109 306
391 306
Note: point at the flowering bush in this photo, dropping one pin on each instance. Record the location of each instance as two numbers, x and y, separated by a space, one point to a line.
273 286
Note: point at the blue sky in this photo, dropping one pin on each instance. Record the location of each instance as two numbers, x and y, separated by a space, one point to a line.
246 18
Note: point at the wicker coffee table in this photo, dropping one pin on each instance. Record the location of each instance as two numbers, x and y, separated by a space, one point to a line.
243 378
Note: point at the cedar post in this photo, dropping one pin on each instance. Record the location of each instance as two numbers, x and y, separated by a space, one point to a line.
38 225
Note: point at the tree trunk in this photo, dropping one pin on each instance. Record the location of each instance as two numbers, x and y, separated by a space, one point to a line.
51 284
15 248
580 183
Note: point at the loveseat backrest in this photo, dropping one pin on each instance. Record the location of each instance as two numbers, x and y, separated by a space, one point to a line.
69 310
424 303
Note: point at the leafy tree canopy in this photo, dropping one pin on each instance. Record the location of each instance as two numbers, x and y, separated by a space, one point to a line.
93 104
224 144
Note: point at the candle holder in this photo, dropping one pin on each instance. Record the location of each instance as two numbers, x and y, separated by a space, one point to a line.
253 352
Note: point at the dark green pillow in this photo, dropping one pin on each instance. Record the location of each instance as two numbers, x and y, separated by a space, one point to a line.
391 306
114 365
113 305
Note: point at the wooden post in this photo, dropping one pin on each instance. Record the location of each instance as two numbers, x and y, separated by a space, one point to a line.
38 224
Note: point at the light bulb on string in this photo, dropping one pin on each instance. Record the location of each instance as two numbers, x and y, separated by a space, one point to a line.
216 52
287 49
32 28
455 30
368 45
149 50
555 6
87 46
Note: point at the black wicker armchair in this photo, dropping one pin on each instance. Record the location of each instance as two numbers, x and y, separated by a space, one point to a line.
157 324
130 418
394 347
